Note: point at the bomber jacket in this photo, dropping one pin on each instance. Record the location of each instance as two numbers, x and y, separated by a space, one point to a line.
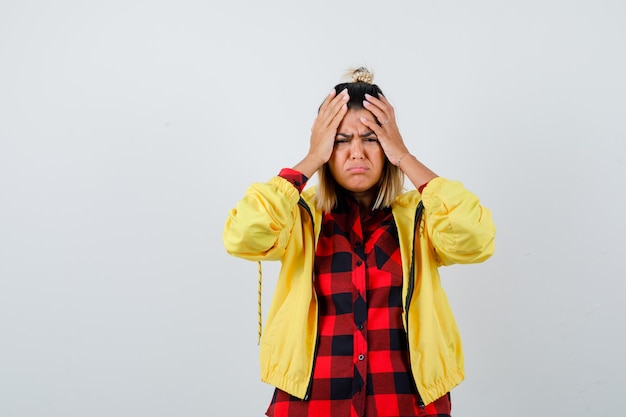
275 222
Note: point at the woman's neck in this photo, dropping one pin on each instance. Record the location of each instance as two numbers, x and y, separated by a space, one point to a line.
365 199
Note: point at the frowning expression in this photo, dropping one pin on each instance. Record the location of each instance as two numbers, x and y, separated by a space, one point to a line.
357 160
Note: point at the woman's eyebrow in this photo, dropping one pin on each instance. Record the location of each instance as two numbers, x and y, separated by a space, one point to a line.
350 135
344 135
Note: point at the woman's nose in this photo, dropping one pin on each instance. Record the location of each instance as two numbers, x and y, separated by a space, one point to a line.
356 149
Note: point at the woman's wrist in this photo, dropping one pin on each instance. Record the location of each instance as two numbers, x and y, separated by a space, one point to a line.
418 173
401 157
309 165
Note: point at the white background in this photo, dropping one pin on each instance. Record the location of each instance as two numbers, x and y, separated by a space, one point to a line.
129 128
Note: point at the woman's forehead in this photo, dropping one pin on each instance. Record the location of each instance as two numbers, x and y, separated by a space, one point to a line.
352 119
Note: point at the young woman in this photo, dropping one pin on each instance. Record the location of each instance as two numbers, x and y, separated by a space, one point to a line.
359 324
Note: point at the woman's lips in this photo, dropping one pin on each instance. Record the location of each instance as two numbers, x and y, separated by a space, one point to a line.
357 170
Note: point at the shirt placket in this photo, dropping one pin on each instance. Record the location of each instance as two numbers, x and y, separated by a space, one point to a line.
359 308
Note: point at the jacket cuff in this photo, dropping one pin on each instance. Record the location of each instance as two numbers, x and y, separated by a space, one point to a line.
296 178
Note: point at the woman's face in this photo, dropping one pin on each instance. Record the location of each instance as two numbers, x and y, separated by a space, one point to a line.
357 160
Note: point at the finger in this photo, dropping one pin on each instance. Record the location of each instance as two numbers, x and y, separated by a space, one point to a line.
381 101
384 140
383 105
329 98
336 120
379 113
330 112
375 101
373 126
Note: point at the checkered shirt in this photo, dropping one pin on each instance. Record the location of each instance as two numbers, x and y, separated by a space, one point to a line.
361 366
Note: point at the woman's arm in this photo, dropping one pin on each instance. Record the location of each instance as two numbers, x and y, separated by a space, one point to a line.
323 132
461 230
259 226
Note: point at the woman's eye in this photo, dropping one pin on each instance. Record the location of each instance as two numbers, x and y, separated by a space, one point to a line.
340 141
371 140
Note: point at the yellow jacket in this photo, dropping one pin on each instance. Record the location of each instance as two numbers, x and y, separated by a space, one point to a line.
274 222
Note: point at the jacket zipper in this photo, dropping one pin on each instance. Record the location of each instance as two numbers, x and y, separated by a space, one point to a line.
303 204
409 295
411 286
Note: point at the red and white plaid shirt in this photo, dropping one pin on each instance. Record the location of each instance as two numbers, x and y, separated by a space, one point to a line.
361 366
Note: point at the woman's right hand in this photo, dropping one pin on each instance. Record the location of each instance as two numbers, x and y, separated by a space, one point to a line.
323 132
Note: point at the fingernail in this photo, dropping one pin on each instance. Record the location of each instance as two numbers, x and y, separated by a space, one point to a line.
366 103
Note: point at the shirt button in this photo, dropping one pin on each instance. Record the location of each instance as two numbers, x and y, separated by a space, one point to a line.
361 357
358 263
359 326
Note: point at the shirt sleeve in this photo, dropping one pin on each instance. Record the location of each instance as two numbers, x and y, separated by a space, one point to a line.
296 178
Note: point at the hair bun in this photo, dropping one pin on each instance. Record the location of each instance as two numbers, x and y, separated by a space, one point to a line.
360 75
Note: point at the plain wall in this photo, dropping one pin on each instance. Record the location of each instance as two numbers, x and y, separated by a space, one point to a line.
128 129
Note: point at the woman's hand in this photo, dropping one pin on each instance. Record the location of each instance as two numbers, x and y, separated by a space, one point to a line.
392 143
323 132
388 133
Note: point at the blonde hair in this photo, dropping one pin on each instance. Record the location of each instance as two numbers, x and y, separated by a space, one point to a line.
391 182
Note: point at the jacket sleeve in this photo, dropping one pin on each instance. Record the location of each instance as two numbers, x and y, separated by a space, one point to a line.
259 226
460 229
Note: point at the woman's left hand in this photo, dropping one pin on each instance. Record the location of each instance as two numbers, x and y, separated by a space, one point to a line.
387 132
